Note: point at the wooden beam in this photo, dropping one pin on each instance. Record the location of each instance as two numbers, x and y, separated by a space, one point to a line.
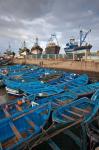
74 113
68 117
15 130
30 122
80 109
6 113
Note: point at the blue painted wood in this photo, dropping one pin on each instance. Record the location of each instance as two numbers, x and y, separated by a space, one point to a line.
23 127
76 82
86 89
83 108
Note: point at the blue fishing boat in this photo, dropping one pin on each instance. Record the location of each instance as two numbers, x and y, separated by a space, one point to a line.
51 77
17 70
65 77
19 76
56 100
43 91
85 90
19 73
83 109
79 81
16 132
17 88
17 107
15 73
24 104
32 74
13 69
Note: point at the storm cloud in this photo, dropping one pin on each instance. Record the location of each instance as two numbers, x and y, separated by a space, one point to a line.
26 19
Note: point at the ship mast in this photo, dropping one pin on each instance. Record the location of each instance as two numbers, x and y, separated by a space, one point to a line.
24 44
9 47
53 36
36 42
83 36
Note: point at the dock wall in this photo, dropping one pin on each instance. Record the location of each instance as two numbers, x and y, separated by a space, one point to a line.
91 66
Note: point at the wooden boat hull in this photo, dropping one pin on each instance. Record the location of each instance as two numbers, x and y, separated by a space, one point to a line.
85 90
19 130
83 109
57 100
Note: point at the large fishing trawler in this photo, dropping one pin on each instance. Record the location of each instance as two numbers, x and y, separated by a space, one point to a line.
24 50
36 49
52 47
74 46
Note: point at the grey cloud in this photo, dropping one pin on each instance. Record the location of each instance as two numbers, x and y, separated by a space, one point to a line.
25 19
26 9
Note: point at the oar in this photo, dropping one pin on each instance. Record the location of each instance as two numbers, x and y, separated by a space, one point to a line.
59 101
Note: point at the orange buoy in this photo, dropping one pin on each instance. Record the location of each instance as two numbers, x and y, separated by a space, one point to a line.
19 102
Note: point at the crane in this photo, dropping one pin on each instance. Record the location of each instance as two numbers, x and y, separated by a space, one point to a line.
83 36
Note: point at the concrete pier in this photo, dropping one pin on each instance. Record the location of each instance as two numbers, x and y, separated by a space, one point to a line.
91 66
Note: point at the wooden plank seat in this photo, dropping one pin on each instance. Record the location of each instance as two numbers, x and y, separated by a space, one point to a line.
59 101
30 122
6 113
44 112
14 129
74 113
13 140
9 142
68 117
81 109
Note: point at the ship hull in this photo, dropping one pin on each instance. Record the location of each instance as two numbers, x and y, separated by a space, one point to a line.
36 52
52 50
78 48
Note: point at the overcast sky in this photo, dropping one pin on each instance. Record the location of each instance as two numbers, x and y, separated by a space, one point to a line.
26 19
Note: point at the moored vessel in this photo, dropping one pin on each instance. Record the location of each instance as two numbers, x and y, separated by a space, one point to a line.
24 50
36 49
73 45
52 47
